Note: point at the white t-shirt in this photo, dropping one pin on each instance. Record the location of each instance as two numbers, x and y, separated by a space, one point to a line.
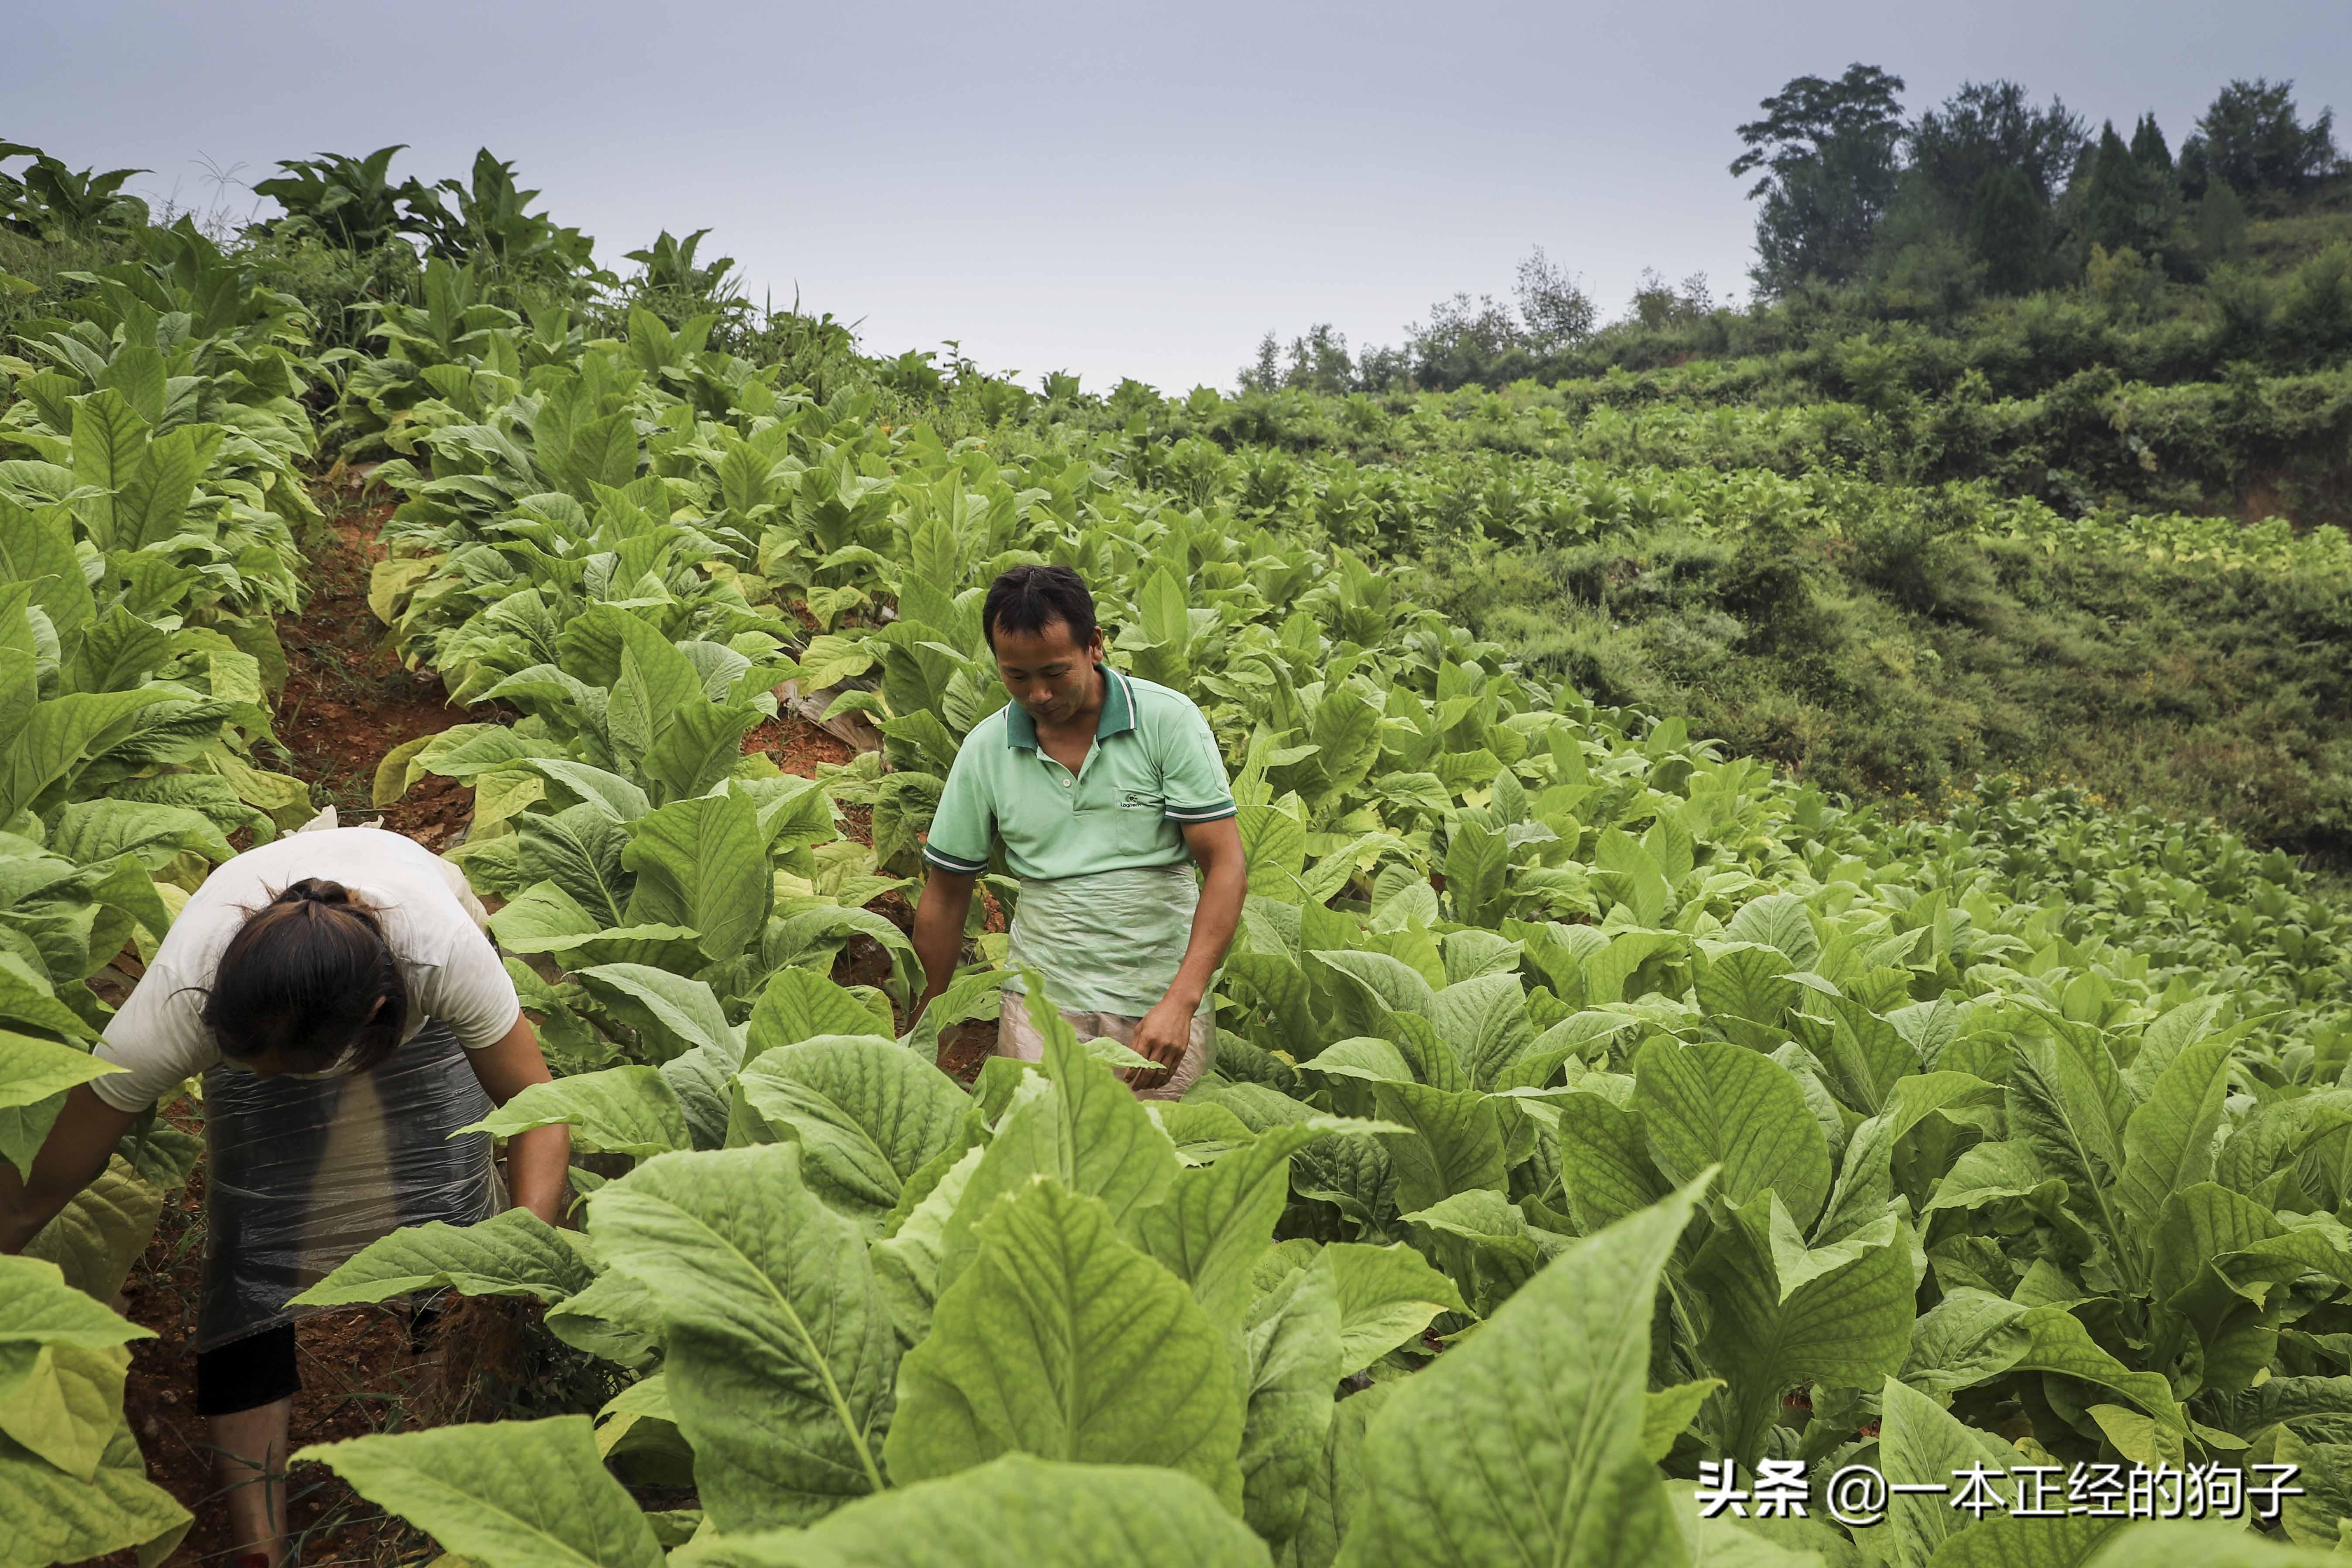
430 920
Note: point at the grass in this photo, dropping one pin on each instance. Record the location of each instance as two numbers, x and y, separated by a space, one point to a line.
1902 672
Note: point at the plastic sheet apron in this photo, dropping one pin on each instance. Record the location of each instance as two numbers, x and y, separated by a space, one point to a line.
1107 943
303 1172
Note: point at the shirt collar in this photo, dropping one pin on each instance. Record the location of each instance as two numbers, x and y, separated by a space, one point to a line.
1117 714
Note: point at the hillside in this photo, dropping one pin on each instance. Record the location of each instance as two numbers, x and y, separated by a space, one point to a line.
1571 1057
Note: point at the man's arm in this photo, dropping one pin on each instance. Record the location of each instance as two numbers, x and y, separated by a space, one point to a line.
1167 1029
939 930
537 1161
76 1150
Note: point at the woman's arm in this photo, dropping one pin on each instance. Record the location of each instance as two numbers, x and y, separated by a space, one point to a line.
537 1161
76 1149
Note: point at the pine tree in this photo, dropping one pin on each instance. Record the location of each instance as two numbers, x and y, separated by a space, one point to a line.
2009 231
2148 150
2115 212
2221 224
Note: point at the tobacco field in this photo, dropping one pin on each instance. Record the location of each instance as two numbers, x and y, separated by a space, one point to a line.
1593 1100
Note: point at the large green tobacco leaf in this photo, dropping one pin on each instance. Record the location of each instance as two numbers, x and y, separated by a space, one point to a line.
1779 920
780 1351
2167 1144
97 1238
1387 1296
701 746
1335 1484
37 1307
1483 1240
511 1494
2056 1341
1711 1103
62 733
110 439
512 1254
1920 1442
868 1115
1218 1219
668 1004
1292 1357
1523 1446
1062 1341
67 1408
1016 1511
31 1071
1781 1314
153 505
906 1263
1866 1181
47 1516
2060 1109
1116 1153
580 849
619 1111
1483 1020
1455 1144
703 864
1605 1161
1969 1337
799 1004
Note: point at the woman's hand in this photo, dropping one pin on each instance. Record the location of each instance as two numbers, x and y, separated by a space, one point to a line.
539 1162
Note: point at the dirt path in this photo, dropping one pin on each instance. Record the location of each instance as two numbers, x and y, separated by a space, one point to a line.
347 702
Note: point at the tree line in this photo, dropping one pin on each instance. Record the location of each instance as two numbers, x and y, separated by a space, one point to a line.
1985 195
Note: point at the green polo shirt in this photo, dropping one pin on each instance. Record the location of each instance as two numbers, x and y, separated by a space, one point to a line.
1154 768
1107 900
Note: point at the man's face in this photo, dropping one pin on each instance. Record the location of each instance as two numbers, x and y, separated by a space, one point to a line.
1047 671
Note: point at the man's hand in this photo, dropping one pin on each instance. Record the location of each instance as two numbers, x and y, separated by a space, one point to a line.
1166 1031
1163 1034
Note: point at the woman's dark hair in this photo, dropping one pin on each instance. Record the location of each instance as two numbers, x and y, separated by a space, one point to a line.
1031 598
308 977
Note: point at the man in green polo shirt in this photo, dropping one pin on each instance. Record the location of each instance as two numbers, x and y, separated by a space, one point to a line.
1105 792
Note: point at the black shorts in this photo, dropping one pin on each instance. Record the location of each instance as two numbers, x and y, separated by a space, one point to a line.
261 1369
242 1374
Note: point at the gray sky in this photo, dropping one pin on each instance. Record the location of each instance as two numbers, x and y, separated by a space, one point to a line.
1107 189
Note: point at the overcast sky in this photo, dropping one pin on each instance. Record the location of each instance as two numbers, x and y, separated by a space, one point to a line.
1103 188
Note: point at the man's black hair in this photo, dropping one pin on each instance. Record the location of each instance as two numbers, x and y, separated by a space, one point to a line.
1031 598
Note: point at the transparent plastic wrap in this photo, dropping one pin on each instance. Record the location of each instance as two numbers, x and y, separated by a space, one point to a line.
303 1172
1109 941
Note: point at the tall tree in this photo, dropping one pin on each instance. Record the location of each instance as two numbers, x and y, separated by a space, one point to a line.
1555 309
2148 148
1990 125
2253 138
2009 231
2117 209
2221 224
1829 153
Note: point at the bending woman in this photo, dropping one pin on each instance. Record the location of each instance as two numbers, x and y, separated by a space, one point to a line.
339 995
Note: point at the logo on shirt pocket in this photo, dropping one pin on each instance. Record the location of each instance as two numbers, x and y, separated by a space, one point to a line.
1141 800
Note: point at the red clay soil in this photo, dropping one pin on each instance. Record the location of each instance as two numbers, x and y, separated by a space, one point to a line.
348 699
